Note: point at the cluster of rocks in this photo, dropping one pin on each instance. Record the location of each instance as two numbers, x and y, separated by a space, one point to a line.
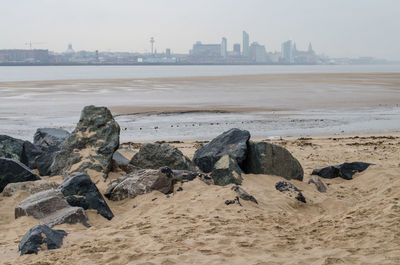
156 166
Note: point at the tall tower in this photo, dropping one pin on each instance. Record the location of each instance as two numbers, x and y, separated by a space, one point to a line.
224 47
246 44
152 44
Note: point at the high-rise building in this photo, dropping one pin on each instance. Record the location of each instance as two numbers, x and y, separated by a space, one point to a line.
168 53
201 50
246 44
236 49
257 53
287 52
224 47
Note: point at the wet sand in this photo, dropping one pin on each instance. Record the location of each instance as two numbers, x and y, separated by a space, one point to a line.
355 222
345 98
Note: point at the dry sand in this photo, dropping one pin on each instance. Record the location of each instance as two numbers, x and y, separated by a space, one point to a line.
355 222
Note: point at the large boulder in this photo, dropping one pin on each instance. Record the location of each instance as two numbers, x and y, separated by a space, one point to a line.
50 137
19 150
226 171
38 236
271 159
79 190
141 182
12 171
232 143
345 170
91 145
51 208
49 140
11 148
31 187
154 156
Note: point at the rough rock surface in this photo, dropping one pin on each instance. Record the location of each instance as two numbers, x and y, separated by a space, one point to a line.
320 185
154 156
91 145
79 190
141 182
31 187
68 215
38 235
51 208
290 189
12 171
243 194
185 175
271 159
11 148
50 137
232 143
226 171
41 204
345 170
49 141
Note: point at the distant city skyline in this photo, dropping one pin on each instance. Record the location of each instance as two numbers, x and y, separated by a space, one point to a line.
337 28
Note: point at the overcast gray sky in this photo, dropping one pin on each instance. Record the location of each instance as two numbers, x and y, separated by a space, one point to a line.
335 27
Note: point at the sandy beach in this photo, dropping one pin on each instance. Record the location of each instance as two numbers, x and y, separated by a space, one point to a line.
355 222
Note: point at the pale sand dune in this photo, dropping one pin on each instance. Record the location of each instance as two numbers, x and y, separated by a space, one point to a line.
355 222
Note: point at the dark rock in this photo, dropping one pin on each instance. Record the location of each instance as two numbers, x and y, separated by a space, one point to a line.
345 170
18 150
31 187
236 200
232 143
154 156
179 189
290 189
13 171
50 141
30 154
320 185
50 137
51 208
271 159
11 148
92 144
243 194
226 171
185 175
80 191
38 235
141 182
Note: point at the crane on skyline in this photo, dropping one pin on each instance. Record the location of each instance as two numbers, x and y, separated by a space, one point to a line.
35 43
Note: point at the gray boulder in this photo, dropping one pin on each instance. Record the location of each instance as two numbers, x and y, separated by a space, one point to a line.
91 145
232 143
271 159
12 171
226 171
141 182
154 156
51 208
38 236
79 190
31 187
49 137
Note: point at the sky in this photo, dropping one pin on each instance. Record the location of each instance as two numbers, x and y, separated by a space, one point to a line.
337 28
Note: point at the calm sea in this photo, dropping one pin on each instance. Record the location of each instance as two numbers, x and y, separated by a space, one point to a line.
36 73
